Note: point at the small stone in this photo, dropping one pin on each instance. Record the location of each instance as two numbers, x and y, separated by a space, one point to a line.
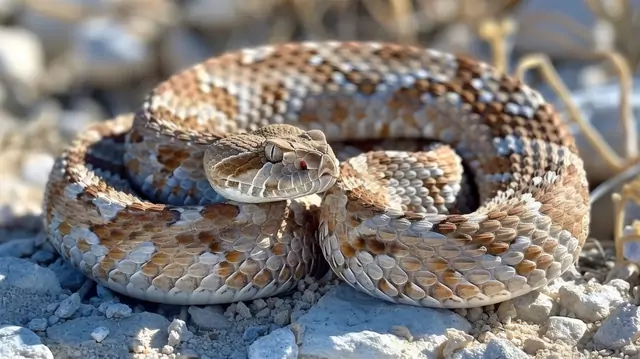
259 304
21 55
53 320
279 344
178 332
99 334
106 294
623 287
402 331
567 330
18 248
210 317
106 51
502 348
456 339
243 310
85 310
621 328
252 333
506 311
591 301
167 349
43 256
38 324
263 313
68 306
534 307
282 318
532 345
118 310
36 167
18 342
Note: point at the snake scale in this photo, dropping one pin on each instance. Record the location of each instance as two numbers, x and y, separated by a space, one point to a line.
417 176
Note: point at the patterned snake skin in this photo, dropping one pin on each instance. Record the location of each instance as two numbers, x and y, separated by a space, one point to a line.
420 137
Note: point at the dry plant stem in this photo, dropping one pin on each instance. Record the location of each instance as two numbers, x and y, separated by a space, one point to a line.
618 215
403 19
627 118
543 63
496 33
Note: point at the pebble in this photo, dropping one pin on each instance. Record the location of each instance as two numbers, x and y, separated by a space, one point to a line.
336 328
68 306
107 52
43 256
279 344
252 333
564 329
532 345
118 310
17 248
590 302
178 332
21 55
38 324
535 307
23 274
243 310
17 342
621 328
99 334
36 168
209 317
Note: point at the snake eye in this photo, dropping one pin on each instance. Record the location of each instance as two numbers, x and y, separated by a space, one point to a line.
272 152
302 165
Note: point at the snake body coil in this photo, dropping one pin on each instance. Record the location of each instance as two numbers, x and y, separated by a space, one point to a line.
208 193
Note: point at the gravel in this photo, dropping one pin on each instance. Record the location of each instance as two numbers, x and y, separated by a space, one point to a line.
58 76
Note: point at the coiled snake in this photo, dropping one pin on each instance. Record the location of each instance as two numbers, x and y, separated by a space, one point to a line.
225 185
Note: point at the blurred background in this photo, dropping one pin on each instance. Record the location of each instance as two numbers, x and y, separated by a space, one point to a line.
65 64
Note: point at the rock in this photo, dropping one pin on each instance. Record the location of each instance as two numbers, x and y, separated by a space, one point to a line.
564 329
118 310
36 168
502 348
210 317
496 348
144 329
26 275
70 277
532 345
252 333
279 344
622 286
182 48
591 301
226 14
18 248
17 342
21 56
68 306
534 307
621 328
456 339
243 310
99 334
178 332
107 52
348 324
7 8
38 324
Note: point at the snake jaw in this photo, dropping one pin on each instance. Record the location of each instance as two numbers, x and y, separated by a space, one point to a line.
277 162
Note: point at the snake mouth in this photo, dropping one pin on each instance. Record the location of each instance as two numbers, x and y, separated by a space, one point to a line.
245 192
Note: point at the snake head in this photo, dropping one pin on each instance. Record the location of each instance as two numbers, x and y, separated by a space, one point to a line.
276 162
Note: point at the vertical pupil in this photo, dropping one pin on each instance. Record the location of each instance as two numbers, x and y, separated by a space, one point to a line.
303 165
